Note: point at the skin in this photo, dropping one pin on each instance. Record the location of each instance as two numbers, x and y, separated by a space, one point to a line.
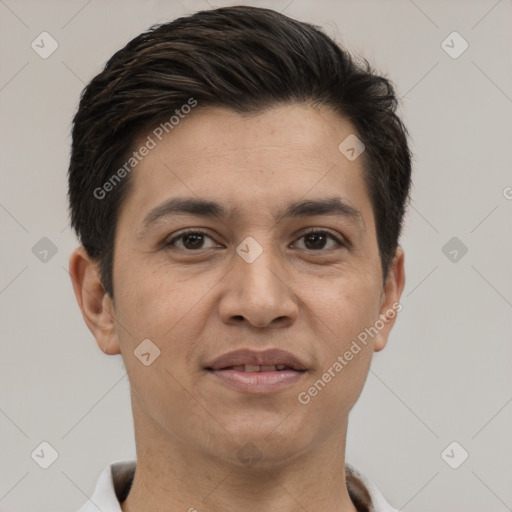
198 303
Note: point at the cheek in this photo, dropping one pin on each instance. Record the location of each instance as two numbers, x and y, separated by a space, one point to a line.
347 349
153 301
346 304
331 395
163 308
345 353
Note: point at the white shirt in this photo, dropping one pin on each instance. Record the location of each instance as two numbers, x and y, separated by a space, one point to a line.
115 481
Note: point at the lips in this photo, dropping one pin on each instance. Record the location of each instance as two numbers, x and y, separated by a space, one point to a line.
250 361
258 372
257 368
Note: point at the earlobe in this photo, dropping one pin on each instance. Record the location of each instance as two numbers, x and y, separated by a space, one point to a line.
96 305
390 304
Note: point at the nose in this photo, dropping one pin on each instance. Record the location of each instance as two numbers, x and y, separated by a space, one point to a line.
260 293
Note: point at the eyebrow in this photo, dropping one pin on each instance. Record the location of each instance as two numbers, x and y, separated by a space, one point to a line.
334 206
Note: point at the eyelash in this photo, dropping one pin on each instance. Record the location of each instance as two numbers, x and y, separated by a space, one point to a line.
310 231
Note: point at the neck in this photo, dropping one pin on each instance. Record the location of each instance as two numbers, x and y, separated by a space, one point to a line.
172 476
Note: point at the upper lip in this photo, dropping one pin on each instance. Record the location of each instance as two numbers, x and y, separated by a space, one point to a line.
270 357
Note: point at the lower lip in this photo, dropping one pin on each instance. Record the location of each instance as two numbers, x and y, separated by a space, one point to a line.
257 382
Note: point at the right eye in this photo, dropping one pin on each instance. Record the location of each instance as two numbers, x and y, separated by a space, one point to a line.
188 240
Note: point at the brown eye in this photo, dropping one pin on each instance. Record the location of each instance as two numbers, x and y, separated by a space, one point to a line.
189 240
316 240
194 240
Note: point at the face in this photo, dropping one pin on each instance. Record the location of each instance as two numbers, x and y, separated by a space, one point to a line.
253 274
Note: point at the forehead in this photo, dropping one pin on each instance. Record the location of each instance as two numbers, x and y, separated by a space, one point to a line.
248 161
282 129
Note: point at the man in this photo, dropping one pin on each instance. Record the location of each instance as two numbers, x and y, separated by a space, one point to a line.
238 186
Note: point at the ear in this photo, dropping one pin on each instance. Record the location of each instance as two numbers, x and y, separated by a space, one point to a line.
96 305
390 299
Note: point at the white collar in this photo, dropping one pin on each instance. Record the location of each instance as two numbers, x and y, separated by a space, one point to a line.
117 475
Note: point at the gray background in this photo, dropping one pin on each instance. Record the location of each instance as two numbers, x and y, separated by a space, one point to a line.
445 374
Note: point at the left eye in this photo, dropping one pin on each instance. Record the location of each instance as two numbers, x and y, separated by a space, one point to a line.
317 237
193 240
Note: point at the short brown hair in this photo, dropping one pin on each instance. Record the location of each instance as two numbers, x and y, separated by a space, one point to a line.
242 58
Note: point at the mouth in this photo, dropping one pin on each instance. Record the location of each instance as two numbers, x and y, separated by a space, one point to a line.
252 368
250 371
